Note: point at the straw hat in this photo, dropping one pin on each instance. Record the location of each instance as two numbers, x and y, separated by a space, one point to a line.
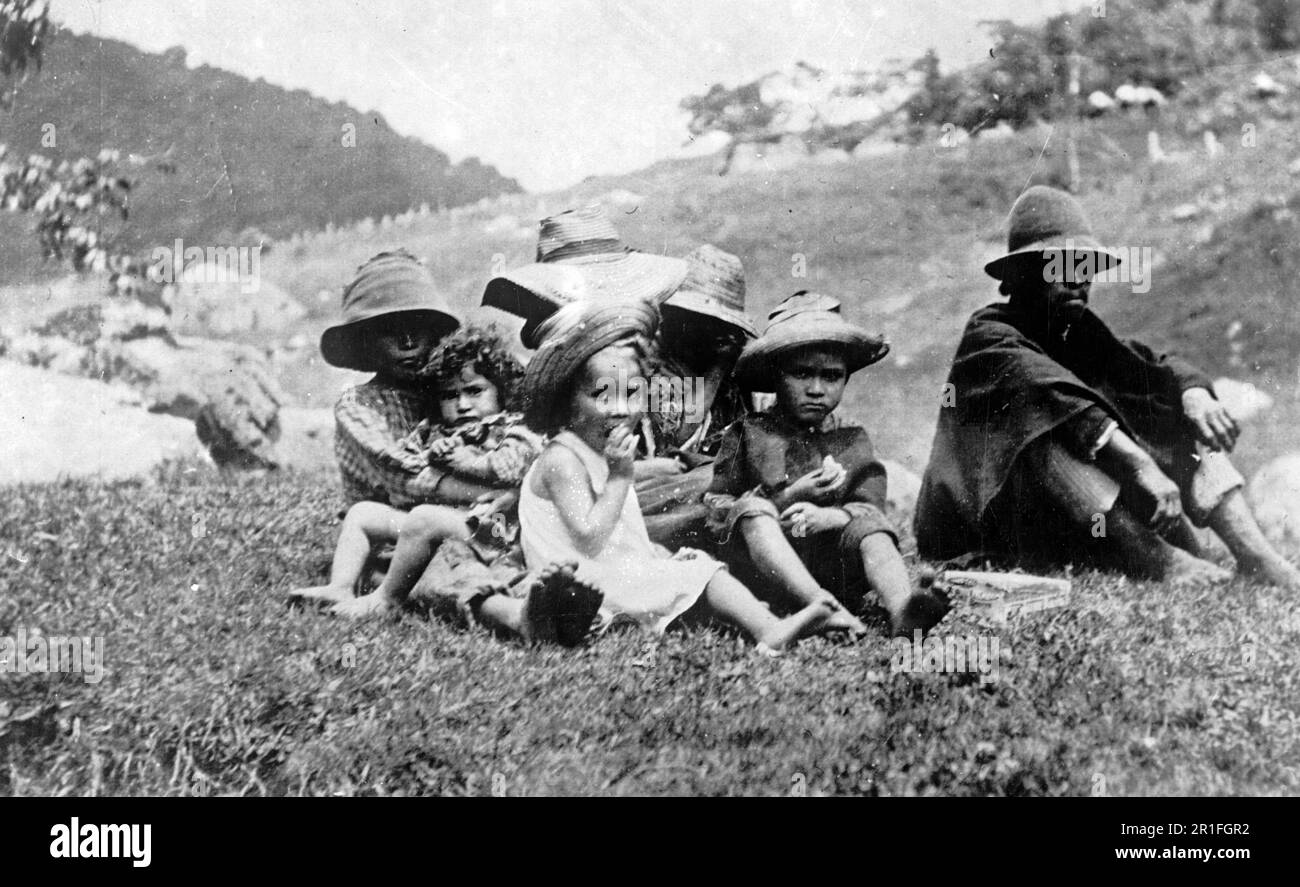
580 258
1044 219
805 319
575 333
714 286
389 283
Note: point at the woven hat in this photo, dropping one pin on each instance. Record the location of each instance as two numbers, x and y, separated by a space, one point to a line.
574 334
580 258
805 319
389 283
714 286
1045 219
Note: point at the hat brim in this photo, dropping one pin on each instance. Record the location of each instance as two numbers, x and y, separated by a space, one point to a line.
1108 259
757 366
343 345
701 304
549 370
536 291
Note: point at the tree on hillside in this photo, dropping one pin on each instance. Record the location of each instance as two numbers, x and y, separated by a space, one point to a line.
73 198
24 26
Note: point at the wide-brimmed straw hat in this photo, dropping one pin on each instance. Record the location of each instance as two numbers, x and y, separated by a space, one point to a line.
1047 219
805 320
714 286
572 336
580 258
389 283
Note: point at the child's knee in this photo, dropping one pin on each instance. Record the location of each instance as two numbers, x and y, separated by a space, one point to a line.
432 521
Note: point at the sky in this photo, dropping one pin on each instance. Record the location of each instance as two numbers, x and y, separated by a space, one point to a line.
548 92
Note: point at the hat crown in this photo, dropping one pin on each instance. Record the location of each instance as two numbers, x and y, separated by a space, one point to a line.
583 231
716 275
1042 213
802 305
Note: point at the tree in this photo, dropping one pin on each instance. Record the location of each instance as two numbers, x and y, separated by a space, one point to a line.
73 198
24 28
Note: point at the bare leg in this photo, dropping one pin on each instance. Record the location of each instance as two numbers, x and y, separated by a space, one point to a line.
1237 528
777 560
1141 552
365 524
887 575
733 602
419 535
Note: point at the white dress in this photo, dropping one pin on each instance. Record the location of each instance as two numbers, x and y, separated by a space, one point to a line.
641 581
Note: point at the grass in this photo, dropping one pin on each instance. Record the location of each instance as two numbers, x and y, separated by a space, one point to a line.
212 687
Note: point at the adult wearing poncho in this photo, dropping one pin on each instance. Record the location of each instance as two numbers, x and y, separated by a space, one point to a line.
1060 442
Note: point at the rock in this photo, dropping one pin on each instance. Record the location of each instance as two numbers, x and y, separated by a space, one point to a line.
904 487
1266 87
1274 493
61 426
306 438
1003 130
1099 101
1243 400
226 388
211 300
1184 212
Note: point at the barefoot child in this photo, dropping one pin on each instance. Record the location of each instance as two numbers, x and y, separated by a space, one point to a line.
390 463
577 502
798 494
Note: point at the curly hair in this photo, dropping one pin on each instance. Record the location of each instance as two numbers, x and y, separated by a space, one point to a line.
482 348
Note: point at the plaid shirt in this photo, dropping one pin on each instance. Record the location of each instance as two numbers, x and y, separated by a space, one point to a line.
372 421
500 448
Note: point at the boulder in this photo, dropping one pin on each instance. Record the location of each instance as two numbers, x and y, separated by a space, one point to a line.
1244 401
1274 493
214 300
904 488
225 388
60 426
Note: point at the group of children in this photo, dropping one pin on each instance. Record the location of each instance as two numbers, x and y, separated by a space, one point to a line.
508 496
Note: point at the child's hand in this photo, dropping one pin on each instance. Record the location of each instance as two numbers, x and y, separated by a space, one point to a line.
805 519
443 447
815 485
463 460
620 447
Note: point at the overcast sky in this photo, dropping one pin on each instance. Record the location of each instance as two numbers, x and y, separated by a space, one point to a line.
548 92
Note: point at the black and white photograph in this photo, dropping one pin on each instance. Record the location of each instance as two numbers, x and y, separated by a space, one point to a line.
693 398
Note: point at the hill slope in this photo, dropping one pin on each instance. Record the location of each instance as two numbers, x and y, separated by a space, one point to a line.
248 153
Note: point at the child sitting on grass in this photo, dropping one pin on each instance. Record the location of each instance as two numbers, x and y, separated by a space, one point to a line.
577 503
476 452
803 489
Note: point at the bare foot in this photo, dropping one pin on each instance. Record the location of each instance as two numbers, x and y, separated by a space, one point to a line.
1275 570
841 619
368 606
923 610
560 607
791 628
1185 570
321 595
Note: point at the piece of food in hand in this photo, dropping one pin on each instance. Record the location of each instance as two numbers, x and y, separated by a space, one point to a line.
832 471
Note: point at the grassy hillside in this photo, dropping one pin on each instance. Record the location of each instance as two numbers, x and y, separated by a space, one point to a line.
902 239
247 153
212 687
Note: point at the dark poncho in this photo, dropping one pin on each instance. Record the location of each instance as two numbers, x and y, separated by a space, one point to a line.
1008 389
